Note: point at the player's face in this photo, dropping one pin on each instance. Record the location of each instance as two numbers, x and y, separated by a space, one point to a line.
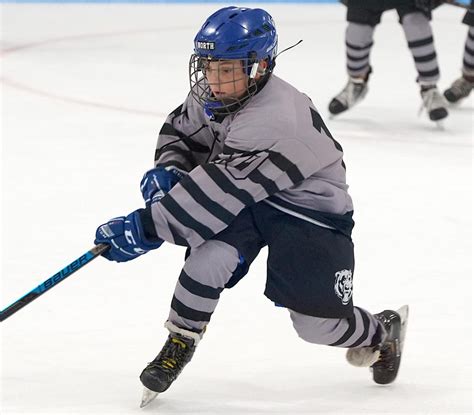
226 79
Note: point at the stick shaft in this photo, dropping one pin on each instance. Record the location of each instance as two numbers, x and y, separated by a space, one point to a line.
458 4
53 280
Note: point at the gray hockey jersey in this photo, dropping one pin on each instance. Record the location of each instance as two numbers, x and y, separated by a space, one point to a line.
276 149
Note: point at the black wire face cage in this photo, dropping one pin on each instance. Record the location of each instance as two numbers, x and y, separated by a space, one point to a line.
225 77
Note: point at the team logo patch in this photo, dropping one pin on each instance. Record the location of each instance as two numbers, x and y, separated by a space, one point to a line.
241 165
343 285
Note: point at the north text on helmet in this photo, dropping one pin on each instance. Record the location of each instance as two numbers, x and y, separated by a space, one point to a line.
206 45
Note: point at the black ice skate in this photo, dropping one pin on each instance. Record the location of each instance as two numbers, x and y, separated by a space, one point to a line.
384 359
159 374
433 102
385 369
354 91
460 88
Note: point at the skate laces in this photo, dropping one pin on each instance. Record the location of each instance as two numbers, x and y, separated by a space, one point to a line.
389 351
389 348
173 356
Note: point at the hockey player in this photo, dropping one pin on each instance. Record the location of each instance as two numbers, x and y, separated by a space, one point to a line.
462 87
246 162
363 16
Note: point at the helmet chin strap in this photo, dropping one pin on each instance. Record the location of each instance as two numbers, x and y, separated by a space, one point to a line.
254 71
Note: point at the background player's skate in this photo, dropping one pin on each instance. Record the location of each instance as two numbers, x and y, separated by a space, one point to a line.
459 89
434 103
354 91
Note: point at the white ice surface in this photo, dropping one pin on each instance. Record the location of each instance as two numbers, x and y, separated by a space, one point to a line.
85 89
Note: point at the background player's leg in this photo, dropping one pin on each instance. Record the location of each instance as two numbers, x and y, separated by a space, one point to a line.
462 87
419 35
359 41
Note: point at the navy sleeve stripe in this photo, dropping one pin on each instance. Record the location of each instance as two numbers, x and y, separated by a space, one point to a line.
173 163
177 111
168 129
287 166
178 239
206 202
196 288
189 313
227 186
185 218
186 154
269 186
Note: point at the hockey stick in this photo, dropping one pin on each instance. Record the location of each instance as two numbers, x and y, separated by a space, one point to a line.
54 280
458 4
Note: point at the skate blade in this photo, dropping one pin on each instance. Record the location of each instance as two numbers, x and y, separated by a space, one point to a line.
147 397
440 125
403 312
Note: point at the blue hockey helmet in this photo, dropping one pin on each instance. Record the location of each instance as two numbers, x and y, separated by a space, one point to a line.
232 33
238 33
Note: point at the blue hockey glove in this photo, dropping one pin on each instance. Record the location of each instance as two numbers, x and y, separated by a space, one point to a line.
126 238
159 181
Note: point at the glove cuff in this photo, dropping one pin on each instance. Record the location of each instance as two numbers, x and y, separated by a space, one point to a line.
148 231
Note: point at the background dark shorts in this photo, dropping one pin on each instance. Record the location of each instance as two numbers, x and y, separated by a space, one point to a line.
469 16
302 263
369 12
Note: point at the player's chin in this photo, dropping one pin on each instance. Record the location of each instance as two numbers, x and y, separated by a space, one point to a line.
231 98
226 100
